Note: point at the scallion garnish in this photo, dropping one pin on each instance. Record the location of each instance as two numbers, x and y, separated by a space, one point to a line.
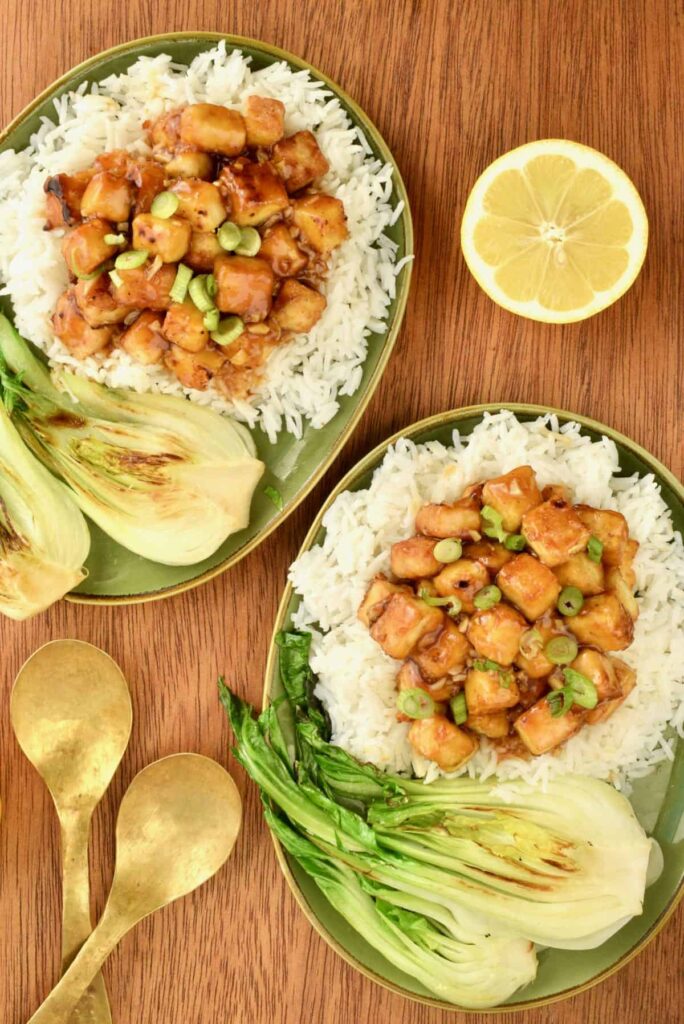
578 690
448 550
514 542
228 330
494 521
275 496
164 205
561 650
531 643
595 549
250 242
229 236
199 293
451 602
459 708
487 665
570 601
115 239
211 319
179 288
416 703
487 597
131 260
115 278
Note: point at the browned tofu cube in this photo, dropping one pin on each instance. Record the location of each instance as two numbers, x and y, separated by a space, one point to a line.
602 623
626 565
616 584
555 492
495 633
75 332
184 326
200 203
164 132
253 191
486 693
96 303
541 732
244 286
215 129
298 308
555 532
165 237
441 741
279 248
143 340
84 248
409 677
495 725
299 161
626 680
148 177
107 196
529 585
462 579
412 558
461 520
63 195
403 623
600 670
189 163
512 495
194 369
322 222
492 555
582 572
444 655
377 596
607 526
534 662
264 121
203 251
139 290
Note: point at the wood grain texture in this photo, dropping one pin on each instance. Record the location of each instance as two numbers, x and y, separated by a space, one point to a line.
451 85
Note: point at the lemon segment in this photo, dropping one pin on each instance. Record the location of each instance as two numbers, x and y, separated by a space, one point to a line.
554 231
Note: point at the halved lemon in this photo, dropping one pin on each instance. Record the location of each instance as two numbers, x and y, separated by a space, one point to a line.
554 231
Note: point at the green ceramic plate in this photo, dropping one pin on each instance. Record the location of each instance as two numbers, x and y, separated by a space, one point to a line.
293 466
658 800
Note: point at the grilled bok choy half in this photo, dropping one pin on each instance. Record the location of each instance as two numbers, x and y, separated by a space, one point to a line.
453 881
44 539
166 478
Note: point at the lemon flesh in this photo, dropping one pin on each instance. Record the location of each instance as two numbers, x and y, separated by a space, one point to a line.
554 231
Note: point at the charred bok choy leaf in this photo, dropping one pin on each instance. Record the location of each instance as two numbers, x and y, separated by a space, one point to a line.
166 478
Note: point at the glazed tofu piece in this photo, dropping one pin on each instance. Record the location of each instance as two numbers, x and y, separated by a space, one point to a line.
147 177
555 532
299 160
491 554
616 584
512 495
495 725
626 565
264 121
600 669
582 572
253 191
63 195
404 622
298 308
143 340
486 692
279 248
244 287
441 741
107 196
541 732
188 163
200 203
444 655
607 526
322 222
534 662
203 251
84 249
602 623
495 633
409 677
194 369
413 558
555 492
462 579
96 303
529 585
184 326
165 237
626 681
212 128
376 598
164 133
75 332
461 520
140 291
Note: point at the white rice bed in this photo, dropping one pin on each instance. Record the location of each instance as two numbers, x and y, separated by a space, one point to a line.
356 680
305 377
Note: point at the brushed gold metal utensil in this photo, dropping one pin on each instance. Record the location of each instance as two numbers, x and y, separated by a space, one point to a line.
177 825
71 713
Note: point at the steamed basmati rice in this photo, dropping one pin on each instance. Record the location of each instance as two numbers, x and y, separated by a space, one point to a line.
305 377
356 679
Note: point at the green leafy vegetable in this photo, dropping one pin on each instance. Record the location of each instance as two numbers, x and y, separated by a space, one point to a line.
275 496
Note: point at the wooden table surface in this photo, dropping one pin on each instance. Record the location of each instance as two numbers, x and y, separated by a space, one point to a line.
451 85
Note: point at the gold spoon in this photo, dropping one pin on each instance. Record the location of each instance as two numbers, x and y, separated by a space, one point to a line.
71 713
177 825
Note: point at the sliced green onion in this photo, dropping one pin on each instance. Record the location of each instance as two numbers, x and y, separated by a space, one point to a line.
453 603
179 288
487 665
561 650
228 330
531 643
487 597
514 542
560 701
416 703
570 601
459 708
584 692
164 205
211 319
199 293
115 239
448 550
131 260
115 278
494 521
90 277
229 236
211 286
250 242
275 496
594 549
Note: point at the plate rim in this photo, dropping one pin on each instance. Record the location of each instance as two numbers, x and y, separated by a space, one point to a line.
358 469
403 288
